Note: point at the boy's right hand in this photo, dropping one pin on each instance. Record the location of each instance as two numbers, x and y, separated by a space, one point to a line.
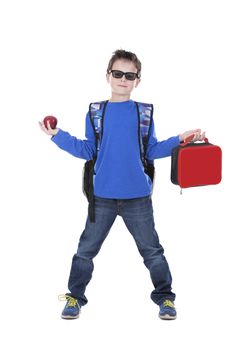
48 131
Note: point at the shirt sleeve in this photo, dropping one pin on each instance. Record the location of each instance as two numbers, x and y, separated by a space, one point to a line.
160 149
84 149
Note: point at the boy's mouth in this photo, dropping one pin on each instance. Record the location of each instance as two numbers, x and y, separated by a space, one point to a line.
122 85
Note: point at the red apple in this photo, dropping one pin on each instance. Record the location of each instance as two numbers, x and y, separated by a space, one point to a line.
52 120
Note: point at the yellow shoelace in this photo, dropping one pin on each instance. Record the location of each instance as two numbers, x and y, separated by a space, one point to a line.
72 302
168 303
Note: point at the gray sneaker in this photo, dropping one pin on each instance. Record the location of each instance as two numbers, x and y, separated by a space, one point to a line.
72 308
167 310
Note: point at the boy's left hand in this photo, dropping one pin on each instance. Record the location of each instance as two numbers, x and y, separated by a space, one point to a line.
198 135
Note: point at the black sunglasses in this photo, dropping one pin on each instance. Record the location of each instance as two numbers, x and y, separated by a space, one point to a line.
119 74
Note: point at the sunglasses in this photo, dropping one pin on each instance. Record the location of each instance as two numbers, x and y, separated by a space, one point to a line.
119 74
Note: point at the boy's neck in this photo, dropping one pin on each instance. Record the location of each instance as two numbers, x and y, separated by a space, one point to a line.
118 98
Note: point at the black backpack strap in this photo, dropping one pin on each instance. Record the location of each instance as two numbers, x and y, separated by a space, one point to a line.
96 114
145 117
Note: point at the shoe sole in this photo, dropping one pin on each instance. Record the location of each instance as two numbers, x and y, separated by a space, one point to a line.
167 317
70 317
67 317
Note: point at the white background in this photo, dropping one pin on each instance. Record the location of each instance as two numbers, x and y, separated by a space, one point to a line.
54 56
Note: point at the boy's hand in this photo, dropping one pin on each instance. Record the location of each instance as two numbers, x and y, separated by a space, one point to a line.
48 131
198 135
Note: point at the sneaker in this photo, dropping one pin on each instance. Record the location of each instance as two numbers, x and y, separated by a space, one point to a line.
167 310
72 308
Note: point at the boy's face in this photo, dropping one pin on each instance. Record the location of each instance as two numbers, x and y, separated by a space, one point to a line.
122 86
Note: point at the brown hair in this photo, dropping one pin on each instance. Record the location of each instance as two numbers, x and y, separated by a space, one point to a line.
126 55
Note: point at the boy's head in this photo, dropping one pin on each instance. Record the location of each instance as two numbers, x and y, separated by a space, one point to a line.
123 62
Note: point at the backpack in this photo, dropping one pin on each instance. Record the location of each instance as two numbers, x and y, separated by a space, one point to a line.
96 114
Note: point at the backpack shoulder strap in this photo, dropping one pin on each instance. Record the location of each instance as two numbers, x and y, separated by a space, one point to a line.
145 117
96 113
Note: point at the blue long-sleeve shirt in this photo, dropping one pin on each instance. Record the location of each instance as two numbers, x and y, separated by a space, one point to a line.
119 171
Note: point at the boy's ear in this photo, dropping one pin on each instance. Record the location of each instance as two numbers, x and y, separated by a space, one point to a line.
137 82
107 77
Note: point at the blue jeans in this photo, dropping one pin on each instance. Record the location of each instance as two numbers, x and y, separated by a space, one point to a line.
137 214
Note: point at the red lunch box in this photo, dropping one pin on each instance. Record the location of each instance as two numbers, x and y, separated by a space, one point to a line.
196 164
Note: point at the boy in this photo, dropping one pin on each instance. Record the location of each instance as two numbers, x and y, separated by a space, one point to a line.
121 187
